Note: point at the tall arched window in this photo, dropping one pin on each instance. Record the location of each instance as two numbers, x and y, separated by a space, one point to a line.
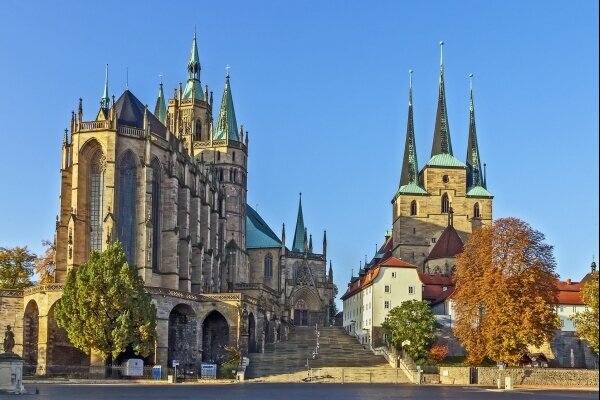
413 208
97 167
268 265
156 214
198 133
476 211
445 203
127 206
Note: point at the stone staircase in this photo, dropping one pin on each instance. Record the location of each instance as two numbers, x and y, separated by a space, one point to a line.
338 351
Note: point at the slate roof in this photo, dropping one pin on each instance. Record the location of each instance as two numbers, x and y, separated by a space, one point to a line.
448 245
130 112
258 233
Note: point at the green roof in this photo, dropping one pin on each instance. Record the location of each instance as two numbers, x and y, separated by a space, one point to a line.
193 88
226 124
445 160
258 233
411 188
478 191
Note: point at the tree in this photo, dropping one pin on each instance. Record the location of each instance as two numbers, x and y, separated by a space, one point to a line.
104 307
586 322
44 265
333 310
438 352
411 326
505 292
16 267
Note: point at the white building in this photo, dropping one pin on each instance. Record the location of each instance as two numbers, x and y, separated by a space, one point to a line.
384 283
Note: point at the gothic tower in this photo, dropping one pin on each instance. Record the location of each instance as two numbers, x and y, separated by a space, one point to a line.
446 200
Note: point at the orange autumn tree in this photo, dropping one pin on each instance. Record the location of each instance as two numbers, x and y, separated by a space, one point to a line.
44 265
505 292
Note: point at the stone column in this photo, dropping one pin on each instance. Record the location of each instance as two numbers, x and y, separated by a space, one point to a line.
161 353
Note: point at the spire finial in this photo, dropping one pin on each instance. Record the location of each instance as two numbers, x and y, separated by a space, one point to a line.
227 67
105 101
410 72
442 54
471 82
127 78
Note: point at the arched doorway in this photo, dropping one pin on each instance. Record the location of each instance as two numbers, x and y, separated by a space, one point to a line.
215 336
301 313
251 333
31 330
62 355
183 336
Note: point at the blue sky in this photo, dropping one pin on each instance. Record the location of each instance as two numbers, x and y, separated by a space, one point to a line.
322 87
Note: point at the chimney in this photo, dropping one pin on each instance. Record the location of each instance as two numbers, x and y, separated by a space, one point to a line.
568 281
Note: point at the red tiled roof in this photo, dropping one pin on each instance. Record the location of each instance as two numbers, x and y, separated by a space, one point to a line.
371 275
433 287
448 245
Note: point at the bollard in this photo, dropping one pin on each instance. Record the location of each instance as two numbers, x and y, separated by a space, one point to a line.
508 385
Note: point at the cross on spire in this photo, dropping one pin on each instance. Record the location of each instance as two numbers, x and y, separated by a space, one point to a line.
227 67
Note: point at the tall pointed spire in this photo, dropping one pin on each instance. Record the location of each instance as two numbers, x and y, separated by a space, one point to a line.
298 243
474 171
441 135
105 100
227 124
160 110
410 166
193 87
330 275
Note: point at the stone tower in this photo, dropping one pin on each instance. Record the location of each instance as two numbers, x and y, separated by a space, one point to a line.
446 195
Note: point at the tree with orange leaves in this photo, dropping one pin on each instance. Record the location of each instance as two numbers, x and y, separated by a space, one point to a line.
44 265
505 292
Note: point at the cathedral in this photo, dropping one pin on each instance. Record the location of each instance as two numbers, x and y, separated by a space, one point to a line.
170 185
435 209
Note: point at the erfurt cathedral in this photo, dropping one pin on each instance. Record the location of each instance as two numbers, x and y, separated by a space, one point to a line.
170 184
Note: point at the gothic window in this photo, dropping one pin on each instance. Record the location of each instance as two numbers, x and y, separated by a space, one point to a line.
218 156
155 214
445 203
127 206
221 174
96 200
268 265
198 133
235 175
233 156
230 175
476 210
413 208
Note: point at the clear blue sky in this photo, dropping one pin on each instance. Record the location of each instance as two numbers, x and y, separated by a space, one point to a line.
322 87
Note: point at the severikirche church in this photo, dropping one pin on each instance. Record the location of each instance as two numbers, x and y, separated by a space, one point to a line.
170 184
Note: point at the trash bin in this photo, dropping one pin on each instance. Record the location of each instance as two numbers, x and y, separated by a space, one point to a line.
170 379
508 384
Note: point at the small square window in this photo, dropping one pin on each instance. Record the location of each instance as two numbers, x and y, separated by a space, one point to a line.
562 323
411 290
393 274
386 304
387 288
432 240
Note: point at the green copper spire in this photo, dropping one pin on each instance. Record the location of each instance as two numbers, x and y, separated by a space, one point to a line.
474 171
441 134
298 243
410 167
160 110
226 124
193 87
105 100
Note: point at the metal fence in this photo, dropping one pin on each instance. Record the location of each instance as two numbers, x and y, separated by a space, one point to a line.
108 372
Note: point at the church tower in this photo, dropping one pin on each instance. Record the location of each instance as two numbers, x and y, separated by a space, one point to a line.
446 200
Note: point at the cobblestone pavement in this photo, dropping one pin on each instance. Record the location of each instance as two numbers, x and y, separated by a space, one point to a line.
289 391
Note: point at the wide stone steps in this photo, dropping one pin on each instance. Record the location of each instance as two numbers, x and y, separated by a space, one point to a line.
337 351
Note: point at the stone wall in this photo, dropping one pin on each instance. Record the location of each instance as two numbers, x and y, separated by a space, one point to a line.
11 313
539 376
454 375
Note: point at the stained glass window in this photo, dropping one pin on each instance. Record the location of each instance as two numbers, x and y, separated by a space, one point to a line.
127 206
156 205
268 266
96 200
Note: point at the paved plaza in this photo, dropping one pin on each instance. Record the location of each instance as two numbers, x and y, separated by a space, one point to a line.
289 391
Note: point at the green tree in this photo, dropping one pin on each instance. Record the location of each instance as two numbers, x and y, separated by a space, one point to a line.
586 322
333 310
16 267
412 324
104 307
